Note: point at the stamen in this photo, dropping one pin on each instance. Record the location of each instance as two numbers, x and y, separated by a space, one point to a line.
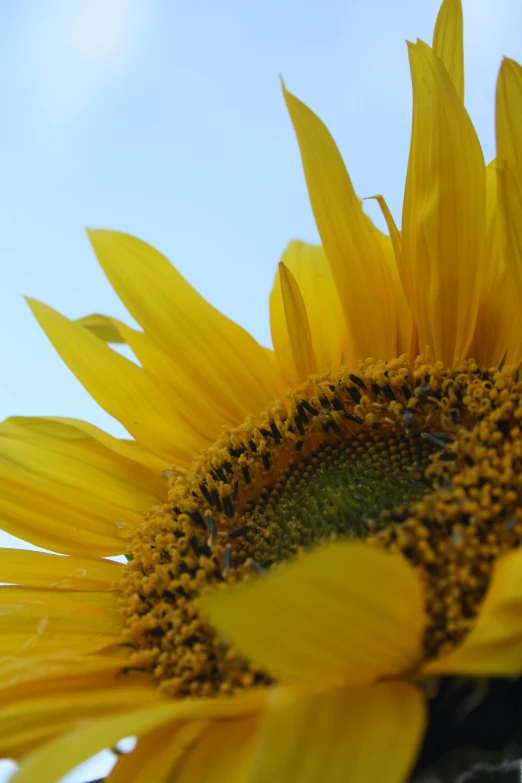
227 558
354 394
358 381
198 519
228 507
275 432
206 494
258 569
199 546
211 527
351 417
299 425
437 438
266 458
375 388
306 405
388 392
238 531
216 502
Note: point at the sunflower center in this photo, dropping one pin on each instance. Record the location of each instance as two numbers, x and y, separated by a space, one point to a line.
347 490
420 460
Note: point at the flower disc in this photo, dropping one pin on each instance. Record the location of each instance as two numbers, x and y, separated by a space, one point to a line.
418 459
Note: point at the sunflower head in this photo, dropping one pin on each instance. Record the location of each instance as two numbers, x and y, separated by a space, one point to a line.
419 461
323 539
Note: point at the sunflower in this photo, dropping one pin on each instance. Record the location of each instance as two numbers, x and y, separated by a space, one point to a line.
323 576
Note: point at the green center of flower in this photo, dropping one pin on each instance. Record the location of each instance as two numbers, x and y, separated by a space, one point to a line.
425 462
343 490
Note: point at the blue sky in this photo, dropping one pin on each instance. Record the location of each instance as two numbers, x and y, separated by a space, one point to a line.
165 119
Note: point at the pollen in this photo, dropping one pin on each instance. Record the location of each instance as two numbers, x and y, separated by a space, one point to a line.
414 459
472 516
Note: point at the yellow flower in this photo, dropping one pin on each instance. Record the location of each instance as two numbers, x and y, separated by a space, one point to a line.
359 660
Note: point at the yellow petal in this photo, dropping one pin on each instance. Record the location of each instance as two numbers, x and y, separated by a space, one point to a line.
497 324
493 647
55 759
346 613
39 515
495 263
198 424
353 252
121 387
509 112
510 197
391 247
222 359
61 452
312 274
360 735
395 235
25 677
221 755
514 351
272 358
52 761
156 753
125 448
37 569
509 157
290 328
37 622
493 245
63 489
497 309
102 326
443 230
25 725
448 41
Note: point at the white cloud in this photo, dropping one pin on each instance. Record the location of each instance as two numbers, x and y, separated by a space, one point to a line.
74 52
